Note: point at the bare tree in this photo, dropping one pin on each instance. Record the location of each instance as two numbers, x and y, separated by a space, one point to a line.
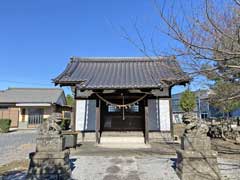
209 39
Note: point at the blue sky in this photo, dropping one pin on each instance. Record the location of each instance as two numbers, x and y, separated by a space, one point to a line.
37 38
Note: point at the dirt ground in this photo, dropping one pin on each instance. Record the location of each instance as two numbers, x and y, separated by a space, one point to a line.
227 151
14 167
160 158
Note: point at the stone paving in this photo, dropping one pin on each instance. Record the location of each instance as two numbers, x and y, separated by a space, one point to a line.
16 145
139 168
123 168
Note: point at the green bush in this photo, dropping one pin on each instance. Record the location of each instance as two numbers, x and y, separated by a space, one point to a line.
5 125
65 123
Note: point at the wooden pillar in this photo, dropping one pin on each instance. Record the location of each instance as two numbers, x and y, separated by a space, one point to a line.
73 117
146 138
97 124
74 109
171 118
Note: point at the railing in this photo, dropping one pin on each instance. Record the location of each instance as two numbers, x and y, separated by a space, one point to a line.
35 119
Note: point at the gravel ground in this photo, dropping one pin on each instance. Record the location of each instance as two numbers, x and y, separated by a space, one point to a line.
16 145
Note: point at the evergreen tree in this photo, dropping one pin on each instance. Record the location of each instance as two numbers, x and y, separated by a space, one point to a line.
188 101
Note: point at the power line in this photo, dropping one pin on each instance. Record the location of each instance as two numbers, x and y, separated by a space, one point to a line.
28 83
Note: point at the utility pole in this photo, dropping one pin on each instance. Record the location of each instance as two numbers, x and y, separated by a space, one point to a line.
199 105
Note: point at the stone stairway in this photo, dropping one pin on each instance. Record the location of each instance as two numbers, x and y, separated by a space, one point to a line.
124 139
122 134
131 139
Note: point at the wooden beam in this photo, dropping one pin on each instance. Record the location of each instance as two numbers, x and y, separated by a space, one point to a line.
146 125
97 124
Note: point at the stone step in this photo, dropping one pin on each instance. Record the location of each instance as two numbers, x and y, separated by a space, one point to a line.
124 145
122 134
123 139
160 137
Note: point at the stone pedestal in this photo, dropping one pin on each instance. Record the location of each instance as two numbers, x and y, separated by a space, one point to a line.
49 166
195 143
50 161
196 160
50 143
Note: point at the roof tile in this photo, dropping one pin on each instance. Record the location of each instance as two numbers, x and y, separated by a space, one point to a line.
121 72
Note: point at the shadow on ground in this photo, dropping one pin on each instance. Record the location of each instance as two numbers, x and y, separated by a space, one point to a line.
14 175
174 163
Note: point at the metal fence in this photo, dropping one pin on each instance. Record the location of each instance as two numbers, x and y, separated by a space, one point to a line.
35 119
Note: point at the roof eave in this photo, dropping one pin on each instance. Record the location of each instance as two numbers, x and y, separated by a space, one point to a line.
75 83
117 88
66 83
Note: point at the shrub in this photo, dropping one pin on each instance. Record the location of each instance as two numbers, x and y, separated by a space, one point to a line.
5 125
65 123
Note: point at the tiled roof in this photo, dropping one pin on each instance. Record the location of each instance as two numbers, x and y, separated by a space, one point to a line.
31 95
121 72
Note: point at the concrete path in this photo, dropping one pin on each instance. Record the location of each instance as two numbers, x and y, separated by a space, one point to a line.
123 168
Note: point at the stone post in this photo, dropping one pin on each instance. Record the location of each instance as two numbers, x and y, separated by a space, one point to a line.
195 159
50 161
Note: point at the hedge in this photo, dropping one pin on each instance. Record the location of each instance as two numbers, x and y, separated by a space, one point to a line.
5 125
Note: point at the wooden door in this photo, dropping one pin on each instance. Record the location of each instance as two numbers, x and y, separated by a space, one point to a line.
114 119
